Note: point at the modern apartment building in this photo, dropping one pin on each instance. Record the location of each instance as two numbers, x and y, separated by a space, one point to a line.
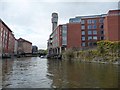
24 46
7 39
84 31
92 30
63 37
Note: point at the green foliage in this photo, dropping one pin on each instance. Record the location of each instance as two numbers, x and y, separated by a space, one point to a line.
109 49
69 54
105 51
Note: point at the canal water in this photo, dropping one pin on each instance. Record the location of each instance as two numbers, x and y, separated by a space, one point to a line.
35 72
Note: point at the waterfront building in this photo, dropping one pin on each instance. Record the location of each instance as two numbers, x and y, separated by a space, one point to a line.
92 30
65 36
34 49
7 39
24 46
0 39
16 47
84 32
112 25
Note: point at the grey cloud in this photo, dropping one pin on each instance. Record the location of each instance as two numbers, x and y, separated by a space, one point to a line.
32 20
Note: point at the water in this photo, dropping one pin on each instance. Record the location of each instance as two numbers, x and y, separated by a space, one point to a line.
35 72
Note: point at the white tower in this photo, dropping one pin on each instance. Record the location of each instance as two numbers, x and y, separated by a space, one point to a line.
54 20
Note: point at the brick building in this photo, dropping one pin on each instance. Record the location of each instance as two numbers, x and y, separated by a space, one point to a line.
7 39
16 47
84 31
63 37
0 40
112 25
92 30
24 46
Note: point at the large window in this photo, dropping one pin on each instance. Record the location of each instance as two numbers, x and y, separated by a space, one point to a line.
95 37
102 38
90 21
101 32
89 37
101 26
83 44
82 21
94 26
94 32
94 21
83 38
82 27
83 32
64 35
89 26
64 40
89 32
89 43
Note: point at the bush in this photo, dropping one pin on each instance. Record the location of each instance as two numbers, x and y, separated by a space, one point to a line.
69 54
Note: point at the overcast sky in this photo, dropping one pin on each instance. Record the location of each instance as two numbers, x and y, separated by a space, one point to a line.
31 19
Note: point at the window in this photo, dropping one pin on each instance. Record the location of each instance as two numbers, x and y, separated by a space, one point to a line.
101 20
83 38
64 40
64 31
89 21
94 26
94 32
83 43
95 37
102 38
64 27
94 43
94 21
89 26
101 32
83 32
89 43
101 26
82 21
89 37
89 32
82 27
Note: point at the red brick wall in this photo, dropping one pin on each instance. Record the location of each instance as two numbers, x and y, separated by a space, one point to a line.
74 35
112 28
7 39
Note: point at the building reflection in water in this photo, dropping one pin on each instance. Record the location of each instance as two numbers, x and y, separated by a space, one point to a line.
73 74
35 72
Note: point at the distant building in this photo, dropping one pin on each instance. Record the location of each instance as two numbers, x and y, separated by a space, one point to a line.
0 40
24 46
34 49
7 40
54 20
16 47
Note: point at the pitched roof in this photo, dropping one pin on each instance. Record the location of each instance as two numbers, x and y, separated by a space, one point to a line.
21 39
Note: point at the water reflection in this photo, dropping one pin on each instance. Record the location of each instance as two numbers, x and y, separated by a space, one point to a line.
73 74
25 73
42 73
